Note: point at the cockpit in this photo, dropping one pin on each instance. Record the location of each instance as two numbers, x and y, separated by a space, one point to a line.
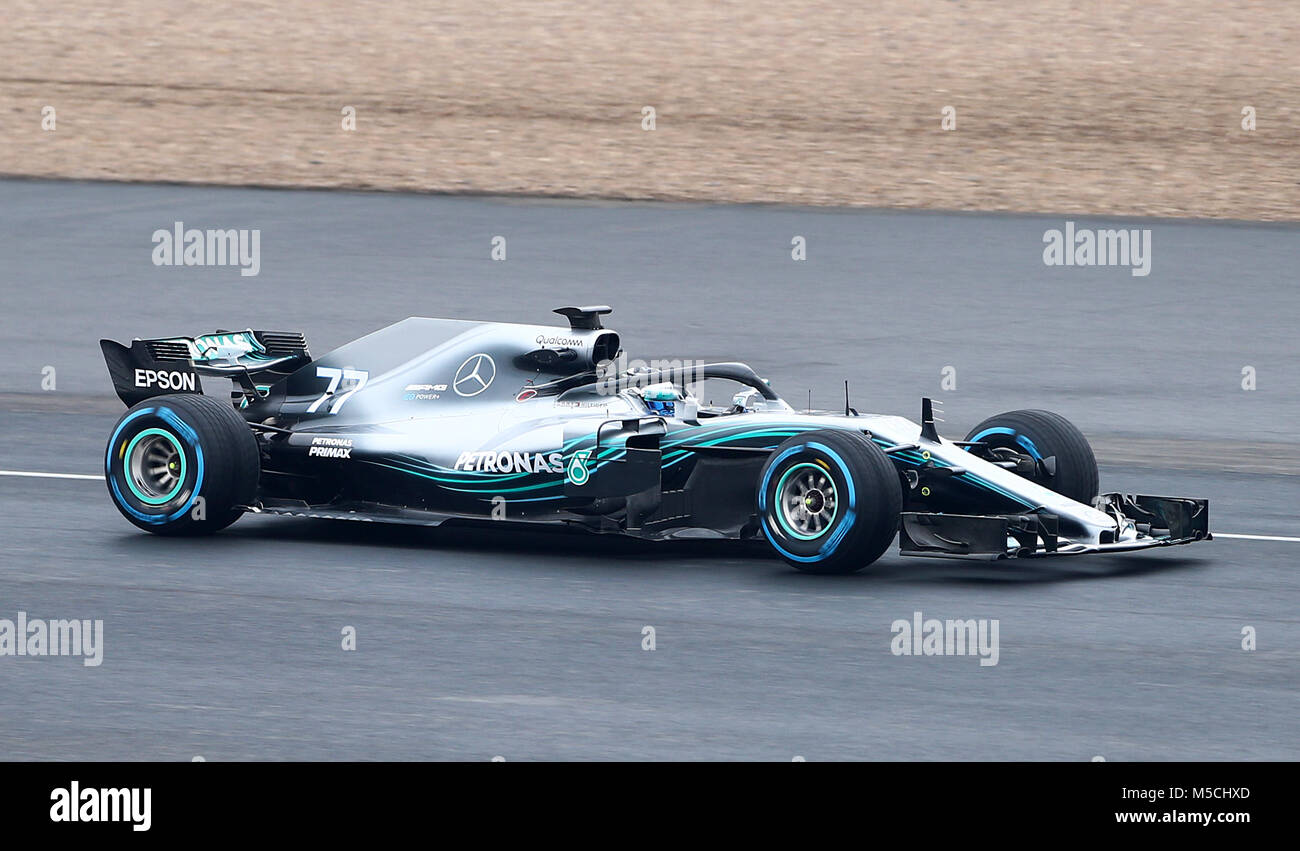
684 401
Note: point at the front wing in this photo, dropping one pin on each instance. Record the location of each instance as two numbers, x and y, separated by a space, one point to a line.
1141 522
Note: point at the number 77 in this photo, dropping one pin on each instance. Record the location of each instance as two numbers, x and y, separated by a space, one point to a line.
336 376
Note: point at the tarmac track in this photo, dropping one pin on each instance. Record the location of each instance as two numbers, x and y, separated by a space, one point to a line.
473 644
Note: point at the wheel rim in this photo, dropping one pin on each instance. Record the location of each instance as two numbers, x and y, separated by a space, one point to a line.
807 501
155 466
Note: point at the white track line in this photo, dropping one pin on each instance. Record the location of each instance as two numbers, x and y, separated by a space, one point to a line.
28 475
1258 537
31 475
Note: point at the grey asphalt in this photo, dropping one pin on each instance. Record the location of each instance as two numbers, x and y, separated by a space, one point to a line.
528 646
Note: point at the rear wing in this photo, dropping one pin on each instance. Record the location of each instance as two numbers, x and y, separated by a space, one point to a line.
250 358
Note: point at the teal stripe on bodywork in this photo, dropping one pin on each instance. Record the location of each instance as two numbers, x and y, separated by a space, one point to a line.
488 482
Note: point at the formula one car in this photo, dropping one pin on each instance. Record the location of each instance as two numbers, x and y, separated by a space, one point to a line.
430 420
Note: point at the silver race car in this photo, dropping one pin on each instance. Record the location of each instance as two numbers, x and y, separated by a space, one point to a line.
430 420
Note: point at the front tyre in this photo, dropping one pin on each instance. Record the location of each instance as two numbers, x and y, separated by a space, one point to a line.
1062 457
829 501
181 464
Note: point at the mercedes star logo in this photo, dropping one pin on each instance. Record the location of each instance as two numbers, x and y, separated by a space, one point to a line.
475 375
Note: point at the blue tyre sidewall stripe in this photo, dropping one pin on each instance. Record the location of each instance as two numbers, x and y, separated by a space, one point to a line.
1022 439
840 532
182 430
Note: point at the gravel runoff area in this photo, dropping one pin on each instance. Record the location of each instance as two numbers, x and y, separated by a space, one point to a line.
1116 107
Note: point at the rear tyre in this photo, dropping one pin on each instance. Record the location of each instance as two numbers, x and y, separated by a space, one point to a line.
182 464
1043 435
829 501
